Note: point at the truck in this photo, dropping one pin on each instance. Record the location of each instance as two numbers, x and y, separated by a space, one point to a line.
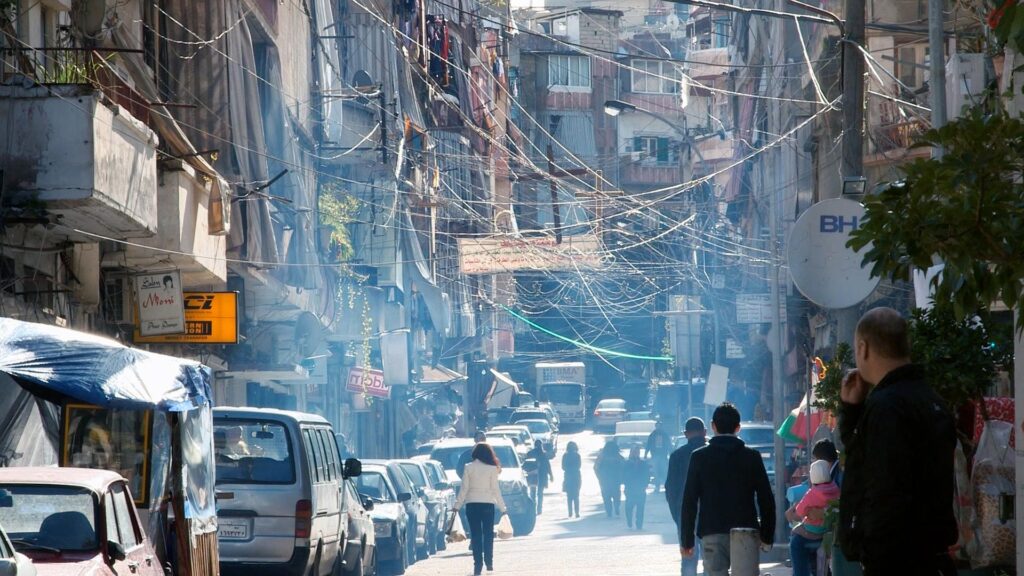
563 385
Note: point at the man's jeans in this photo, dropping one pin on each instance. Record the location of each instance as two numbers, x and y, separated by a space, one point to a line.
689 565
537 494
716 554
804 553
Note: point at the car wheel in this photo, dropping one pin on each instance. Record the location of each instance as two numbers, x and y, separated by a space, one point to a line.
399 565
523 524
372 570
410 548
314 570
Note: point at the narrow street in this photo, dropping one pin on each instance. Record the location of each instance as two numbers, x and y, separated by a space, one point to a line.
593 545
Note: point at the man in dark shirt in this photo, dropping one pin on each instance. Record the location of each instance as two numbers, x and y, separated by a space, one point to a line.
895 511
728 485
678 466
659 443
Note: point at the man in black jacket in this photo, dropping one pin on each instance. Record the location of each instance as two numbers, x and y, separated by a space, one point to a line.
678 466
895 510
723 483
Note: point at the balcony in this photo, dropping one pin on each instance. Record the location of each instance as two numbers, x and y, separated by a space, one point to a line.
708 63
182 213
891 143
85 160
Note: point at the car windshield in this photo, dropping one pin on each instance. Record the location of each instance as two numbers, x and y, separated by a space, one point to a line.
611 405
449 457
372 483
756 436
414 473
562 393
59 517
537 426
252 452
518 417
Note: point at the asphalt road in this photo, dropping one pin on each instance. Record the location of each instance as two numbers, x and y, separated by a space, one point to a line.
592 545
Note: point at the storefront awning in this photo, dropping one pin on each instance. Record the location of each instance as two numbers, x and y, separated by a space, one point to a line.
439 375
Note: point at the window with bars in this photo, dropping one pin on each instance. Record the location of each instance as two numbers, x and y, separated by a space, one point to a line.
569 71
654 77
653 149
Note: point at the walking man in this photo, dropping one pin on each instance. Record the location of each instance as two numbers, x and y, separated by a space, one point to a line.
899 521
726 486
542 474
658 445
678 466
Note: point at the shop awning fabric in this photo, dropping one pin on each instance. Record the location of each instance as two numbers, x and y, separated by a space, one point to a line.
98 370
439 375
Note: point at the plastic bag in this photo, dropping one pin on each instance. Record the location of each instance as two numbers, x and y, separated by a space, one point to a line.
454 533
504 527
995 533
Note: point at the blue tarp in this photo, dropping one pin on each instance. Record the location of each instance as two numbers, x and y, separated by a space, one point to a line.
100 371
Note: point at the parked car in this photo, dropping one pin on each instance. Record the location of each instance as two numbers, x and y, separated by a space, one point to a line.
390 519
13 563
520 430
437 508
279 478
608 413
633 433
414 507
498 416
543 431
522 511
530 414
514 436
552 415
73 521
445 491
360 558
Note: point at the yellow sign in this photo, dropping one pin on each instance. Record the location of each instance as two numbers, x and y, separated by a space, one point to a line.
210 318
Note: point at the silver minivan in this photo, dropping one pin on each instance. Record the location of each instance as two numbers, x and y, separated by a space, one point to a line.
279 508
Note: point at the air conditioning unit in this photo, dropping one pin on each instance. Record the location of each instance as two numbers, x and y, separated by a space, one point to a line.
118 303
636 155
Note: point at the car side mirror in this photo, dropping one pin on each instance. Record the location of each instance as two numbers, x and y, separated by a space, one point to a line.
9 567
367 502
404 496
115 551
353 467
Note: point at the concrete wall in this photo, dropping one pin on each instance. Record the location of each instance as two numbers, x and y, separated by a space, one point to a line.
92 164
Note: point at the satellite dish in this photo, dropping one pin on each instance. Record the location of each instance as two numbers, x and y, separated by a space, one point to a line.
822 267
309 335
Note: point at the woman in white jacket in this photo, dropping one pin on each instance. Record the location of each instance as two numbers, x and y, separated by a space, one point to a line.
481 494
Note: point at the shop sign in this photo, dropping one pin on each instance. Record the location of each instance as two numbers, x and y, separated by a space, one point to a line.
160 306
210 318
368 381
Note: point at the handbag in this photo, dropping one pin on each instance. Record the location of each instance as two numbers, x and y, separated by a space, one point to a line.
505 527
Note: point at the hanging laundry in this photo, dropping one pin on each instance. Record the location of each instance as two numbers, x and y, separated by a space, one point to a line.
439 45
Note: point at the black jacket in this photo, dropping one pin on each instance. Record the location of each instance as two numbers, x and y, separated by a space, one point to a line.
898 483
678 466
723 483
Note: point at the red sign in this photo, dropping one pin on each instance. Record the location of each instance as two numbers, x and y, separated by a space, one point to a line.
363 381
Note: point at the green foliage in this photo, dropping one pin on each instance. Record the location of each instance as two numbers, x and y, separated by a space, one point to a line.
337 210
826 393
965 209
1006 20
959 355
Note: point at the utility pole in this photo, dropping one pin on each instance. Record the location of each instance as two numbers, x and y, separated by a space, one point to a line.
853 90
554 196
937 65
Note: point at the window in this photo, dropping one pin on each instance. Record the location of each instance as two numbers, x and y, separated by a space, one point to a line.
109 440
721 34
654 77
569 71
315 460
125 522
653 149
331 451
252 452
62 517
912 64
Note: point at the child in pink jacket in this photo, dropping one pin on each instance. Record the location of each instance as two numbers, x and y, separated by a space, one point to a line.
810 510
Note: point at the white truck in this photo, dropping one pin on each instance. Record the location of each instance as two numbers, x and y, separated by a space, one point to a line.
563 385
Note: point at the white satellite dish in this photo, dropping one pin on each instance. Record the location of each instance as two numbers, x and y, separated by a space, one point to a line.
822 267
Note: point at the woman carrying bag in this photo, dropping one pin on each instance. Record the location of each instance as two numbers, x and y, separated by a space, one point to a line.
480 493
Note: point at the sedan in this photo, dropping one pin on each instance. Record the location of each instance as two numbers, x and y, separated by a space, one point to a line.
390 520
75 520
608 413
361 551
542 431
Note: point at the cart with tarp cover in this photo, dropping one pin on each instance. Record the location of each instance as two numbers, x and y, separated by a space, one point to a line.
68 398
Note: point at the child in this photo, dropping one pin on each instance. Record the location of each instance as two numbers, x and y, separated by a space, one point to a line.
810 511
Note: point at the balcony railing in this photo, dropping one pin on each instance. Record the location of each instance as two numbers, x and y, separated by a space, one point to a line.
897 135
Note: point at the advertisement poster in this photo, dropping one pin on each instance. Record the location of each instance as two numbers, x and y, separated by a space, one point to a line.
367 381
160 304
210 318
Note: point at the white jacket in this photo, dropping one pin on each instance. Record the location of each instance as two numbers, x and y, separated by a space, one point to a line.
480 486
